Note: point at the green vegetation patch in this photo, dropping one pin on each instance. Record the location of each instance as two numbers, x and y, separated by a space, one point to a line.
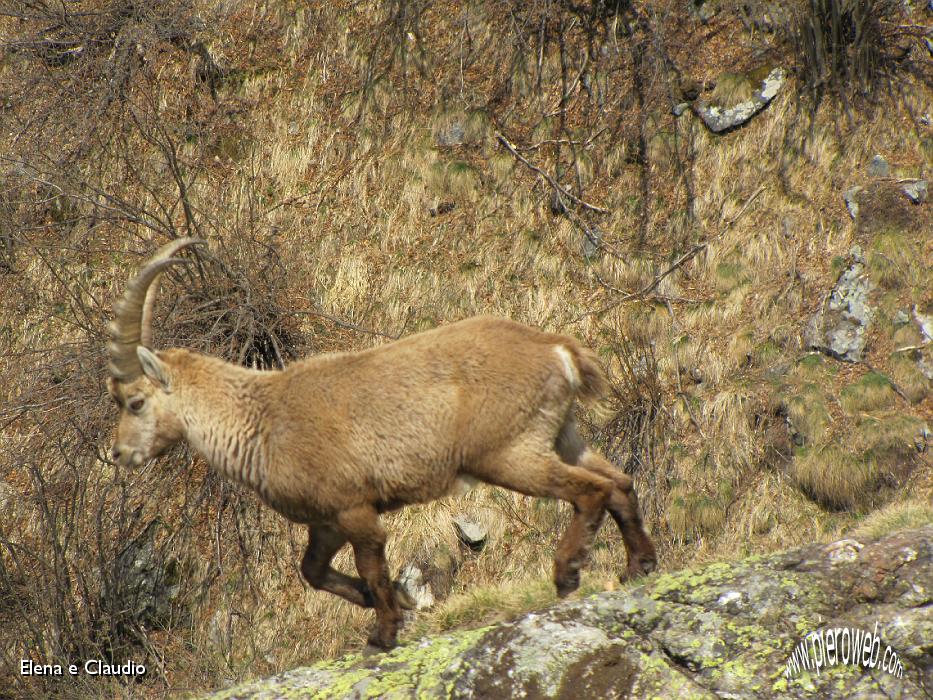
808 412
873 392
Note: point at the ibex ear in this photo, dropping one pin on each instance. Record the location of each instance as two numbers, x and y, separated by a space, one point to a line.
154 368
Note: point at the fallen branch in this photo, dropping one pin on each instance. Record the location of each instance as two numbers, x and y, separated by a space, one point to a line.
689 255
551 181
344 324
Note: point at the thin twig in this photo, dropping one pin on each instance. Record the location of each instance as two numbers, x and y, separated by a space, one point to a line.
344 324
690 254
551 181
744 207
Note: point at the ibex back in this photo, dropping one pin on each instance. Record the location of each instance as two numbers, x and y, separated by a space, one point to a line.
334 440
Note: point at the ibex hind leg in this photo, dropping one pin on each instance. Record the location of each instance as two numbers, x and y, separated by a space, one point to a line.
622 505
532 473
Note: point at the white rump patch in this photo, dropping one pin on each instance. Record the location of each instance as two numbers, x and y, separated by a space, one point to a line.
570 367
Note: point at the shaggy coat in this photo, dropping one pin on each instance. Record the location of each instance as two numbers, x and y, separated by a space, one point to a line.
334 440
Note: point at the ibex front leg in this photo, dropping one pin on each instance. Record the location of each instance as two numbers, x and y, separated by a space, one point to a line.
323 543
368 539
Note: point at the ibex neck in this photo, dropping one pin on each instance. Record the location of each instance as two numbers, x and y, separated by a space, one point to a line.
223 421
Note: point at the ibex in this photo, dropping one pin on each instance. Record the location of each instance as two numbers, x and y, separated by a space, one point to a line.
335 440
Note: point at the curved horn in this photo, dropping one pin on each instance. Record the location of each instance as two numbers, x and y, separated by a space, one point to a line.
133 313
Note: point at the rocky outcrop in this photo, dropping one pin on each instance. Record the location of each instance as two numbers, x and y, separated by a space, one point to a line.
720 118
727 630
839 327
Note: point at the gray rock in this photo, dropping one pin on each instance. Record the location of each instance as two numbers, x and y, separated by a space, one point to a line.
705 11
453 135
851 197
680 108
855 252
469 532
878 167
726 630
839 328
901 318
720 118
925 323
592 242
916 191
412 584
147 580
925 365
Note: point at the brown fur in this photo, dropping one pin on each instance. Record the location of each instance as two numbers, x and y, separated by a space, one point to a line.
335 440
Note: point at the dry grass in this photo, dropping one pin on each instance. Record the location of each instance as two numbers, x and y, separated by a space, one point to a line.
897 516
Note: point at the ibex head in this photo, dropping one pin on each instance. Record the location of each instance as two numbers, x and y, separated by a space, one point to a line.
140 381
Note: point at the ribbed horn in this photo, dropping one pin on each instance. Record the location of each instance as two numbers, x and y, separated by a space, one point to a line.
131 325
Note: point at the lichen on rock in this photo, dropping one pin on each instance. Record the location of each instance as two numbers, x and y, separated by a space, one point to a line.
725 630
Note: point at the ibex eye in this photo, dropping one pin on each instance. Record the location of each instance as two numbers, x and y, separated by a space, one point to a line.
136 405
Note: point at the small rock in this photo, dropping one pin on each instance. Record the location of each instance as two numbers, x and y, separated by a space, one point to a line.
838 328
855 252
453 135
843 551
706 11
220 630
925 322
148 579
680 108
850 196
925 367
412 584
923 437
470 533
442 208
916 191
901 318
592 242
879 167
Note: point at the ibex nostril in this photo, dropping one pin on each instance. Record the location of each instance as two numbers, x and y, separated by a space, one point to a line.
115 453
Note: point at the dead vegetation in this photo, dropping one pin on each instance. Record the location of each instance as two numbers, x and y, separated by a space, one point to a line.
346 162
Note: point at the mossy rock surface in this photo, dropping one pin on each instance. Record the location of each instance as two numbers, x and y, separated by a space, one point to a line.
723 630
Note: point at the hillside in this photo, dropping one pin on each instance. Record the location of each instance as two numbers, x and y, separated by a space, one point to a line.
727 201
746 630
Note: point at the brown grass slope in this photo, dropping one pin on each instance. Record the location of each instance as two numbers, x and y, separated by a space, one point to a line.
366 170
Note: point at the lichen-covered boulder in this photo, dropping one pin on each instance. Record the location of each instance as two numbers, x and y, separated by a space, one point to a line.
720 117
727 630
839 327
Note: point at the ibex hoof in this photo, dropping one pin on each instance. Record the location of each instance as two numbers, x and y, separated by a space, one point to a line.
567 583
379 642
637 568
372 650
